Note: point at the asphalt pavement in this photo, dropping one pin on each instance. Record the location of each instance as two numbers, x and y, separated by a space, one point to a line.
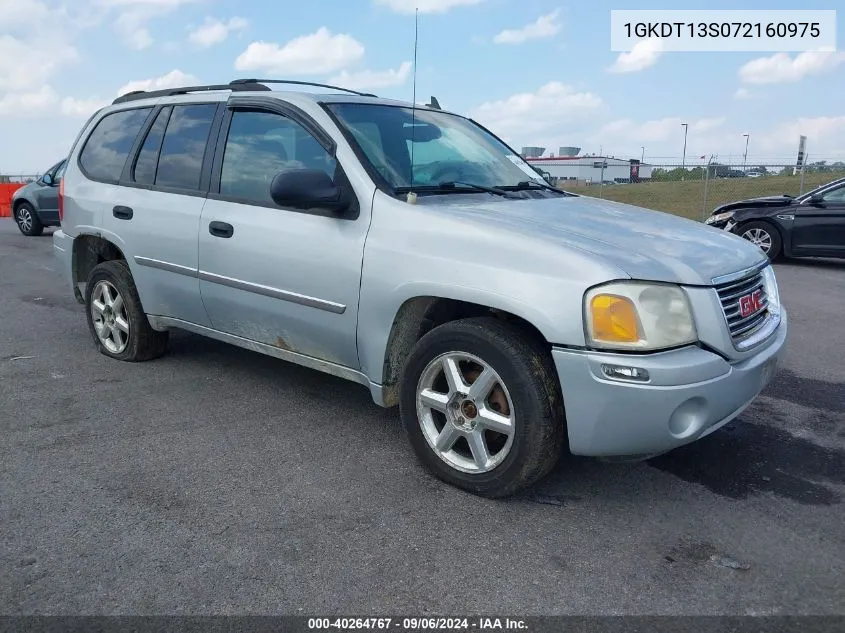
216 480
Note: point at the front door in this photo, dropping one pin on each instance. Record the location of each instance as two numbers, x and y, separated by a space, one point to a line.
279 276
819 228
47 195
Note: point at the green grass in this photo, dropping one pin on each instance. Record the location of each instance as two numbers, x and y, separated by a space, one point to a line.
687 198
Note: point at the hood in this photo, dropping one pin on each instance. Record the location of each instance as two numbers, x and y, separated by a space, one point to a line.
648 245
758 203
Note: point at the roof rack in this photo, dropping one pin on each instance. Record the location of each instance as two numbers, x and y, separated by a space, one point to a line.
238 82
169 92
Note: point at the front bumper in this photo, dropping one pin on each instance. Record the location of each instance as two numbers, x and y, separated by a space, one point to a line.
690 393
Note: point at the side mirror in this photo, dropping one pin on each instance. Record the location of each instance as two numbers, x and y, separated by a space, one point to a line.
47 179
309 189
817 199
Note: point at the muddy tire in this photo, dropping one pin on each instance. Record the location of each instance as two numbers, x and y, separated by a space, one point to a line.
116 319
481 406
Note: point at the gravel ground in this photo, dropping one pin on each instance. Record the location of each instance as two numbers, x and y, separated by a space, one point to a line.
216 480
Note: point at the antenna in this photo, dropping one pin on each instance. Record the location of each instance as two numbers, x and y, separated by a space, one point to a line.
414 101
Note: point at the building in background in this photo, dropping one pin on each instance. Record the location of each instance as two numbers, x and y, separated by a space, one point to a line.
590 169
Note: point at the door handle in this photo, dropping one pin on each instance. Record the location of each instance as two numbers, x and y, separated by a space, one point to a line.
122 213
221 229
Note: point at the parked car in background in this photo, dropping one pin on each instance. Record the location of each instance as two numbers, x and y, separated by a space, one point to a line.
811 225
36 205
412 251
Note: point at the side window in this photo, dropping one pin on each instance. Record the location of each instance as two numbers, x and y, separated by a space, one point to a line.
835 195
108 146
60 172
145 166
183 148
259 146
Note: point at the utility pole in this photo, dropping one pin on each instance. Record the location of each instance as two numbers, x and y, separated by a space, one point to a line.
684 159
745 156
642 158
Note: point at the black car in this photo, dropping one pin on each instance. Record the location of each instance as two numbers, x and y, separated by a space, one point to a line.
36 205
811 225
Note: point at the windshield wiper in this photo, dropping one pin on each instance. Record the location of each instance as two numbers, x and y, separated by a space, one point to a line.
456 186
533 184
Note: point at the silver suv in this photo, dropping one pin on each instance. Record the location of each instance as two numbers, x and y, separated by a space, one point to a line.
412 251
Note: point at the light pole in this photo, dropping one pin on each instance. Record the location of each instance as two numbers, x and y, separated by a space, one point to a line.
745 156
684 159
642 158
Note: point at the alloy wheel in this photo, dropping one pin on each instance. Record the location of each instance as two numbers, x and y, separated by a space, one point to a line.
111 321
760 237
465 412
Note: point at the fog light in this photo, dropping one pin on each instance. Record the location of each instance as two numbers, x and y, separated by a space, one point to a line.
618 372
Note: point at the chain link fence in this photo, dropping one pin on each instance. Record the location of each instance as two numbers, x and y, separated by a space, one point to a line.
18 179
691 191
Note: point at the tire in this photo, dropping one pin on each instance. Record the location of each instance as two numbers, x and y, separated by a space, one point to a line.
524 383
762 233
135 342
28 221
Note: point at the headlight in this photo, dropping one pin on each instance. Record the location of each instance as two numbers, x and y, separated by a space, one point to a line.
719 217
771 286
632 315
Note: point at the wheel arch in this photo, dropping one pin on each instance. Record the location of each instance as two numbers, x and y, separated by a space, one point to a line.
88 251
420 314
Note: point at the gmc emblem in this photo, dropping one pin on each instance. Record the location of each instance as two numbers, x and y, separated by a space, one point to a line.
750 303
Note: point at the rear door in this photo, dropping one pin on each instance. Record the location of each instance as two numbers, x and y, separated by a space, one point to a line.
157 208
819 228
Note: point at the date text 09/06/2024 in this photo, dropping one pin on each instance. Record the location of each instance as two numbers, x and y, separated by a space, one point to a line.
419 624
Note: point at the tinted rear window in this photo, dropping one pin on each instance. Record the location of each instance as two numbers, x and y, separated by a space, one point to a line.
145 165
182 151
109 145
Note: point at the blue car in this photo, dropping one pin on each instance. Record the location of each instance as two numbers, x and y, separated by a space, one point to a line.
36 205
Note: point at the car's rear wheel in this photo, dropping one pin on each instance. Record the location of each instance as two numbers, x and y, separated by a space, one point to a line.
115 316
27 220
763 235
481 406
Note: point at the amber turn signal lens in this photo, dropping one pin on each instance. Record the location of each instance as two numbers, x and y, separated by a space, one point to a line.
614 319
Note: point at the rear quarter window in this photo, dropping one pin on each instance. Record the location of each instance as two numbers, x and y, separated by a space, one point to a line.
108 146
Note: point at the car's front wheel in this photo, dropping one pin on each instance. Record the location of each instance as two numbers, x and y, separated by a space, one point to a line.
481 406
763 235
27 220
115 317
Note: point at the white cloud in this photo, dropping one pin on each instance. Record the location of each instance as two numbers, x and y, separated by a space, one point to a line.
173 79
372 79
74 107
534 117
213 31
21 13
132 21
319 52
643 55
545 26
781 68
28 104
742 93
27 64
425 6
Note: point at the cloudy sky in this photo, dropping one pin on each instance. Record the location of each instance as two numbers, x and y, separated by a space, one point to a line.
538 72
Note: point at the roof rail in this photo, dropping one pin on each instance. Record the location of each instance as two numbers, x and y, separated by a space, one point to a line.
237 82
169 92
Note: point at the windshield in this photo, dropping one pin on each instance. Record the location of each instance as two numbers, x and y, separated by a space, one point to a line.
425 148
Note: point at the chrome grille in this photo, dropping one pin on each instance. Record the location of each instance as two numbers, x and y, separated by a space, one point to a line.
730 294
